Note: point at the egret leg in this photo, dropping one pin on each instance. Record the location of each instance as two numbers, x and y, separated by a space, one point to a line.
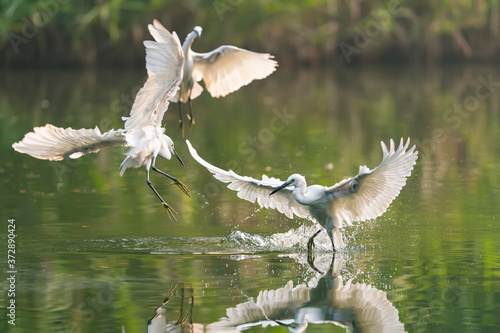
191 306
190 115
310 242
170 211
184 312
330 229
176 181
181 126
310 255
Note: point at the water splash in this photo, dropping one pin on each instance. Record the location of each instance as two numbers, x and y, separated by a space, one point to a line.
236 243
293 239
251 215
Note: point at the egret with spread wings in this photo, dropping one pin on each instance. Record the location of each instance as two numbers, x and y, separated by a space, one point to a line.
363 197
223 70
143 133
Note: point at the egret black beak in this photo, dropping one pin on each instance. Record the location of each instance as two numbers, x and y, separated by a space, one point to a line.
178 157
285 184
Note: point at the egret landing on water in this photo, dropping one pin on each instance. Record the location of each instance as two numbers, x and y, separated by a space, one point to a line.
364 197
224 70
143 134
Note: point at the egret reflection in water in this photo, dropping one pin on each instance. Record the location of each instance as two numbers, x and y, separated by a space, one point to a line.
326 301
357 306
159 322
363 197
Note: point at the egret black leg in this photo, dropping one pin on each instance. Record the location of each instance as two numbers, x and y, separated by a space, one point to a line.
184 312
170 211
310 242
191 306
176 181
190 116
310 255
181 126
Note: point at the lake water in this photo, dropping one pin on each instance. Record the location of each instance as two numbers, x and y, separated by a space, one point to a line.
96 252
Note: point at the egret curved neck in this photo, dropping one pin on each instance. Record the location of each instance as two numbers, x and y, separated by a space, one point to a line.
186 46
299 193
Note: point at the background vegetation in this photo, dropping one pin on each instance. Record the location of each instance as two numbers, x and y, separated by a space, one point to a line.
62 33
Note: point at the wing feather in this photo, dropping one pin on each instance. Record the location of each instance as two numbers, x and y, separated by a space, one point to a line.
228 68
254 190
369 194
56 143
164 63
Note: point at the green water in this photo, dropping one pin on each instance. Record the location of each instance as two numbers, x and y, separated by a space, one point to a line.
95 252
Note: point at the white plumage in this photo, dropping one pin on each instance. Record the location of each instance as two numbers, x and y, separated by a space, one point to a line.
271 305
228 68
143 133
365 196
223 70
328 300
55 143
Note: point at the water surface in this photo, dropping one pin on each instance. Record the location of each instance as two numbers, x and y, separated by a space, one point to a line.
96 251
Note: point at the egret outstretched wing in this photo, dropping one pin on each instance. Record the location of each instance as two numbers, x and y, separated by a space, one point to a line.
370 193
164 62
256 190
56 143
228 68
275 304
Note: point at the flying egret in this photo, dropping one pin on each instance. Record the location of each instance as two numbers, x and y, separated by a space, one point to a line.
224 70
363 197
143 133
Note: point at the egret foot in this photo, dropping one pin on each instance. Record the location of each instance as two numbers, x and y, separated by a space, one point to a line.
181 127
182 318
170 294
191 122
182 187
190 118
170 211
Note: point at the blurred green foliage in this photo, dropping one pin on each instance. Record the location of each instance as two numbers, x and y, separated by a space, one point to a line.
90 33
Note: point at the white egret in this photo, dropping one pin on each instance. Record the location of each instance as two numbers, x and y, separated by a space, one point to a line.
358 307
143 133
363 197
224 70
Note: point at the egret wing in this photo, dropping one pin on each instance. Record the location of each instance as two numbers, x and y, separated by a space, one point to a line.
369 194
256 190
275 304
164 62
55 143
228 68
